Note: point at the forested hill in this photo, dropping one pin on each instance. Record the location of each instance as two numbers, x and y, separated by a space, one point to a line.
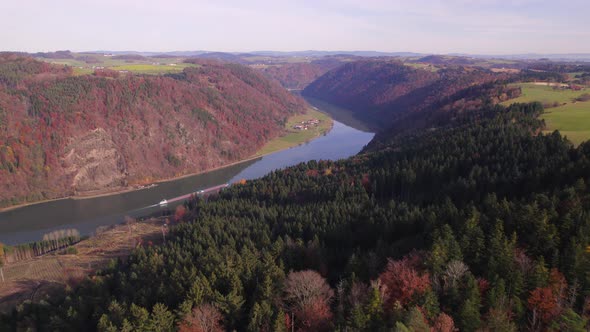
62 134
467 102
384 91
299 75
480 224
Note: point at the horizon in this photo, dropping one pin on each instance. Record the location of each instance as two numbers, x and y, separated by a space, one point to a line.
488 27
291 52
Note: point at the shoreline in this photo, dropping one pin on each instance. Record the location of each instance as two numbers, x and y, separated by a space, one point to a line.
127 189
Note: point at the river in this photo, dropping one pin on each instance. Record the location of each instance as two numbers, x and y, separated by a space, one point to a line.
29 223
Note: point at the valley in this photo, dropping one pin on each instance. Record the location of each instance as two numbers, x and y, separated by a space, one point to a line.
86 214
109 228
465 210
294 166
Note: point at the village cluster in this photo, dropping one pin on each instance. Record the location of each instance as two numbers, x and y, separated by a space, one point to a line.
304 125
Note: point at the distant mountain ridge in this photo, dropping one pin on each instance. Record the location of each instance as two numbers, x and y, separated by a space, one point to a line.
370 53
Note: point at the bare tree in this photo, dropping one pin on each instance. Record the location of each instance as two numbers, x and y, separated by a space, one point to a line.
204 318
359 292
454 272
304 287
130 222
524 263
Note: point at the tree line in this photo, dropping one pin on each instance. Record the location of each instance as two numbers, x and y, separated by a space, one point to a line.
52 241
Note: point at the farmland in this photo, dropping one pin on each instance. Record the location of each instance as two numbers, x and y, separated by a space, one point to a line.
545 94
572 120
151 69
562 111
86 63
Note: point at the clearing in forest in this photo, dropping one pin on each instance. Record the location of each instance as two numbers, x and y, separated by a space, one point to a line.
296 132
566 110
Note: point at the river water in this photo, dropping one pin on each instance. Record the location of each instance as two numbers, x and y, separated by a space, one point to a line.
29 223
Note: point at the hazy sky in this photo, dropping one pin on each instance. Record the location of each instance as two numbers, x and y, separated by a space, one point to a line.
429 26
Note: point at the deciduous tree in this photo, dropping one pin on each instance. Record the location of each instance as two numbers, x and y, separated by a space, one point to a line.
403 282
204 318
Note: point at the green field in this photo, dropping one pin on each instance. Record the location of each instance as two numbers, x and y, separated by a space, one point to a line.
151 69
294 137
149 66
571 118
82 71
545 94
423 66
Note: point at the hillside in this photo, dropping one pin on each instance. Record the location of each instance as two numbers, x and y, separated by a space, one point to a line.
384 91
477 225
62 134
298 75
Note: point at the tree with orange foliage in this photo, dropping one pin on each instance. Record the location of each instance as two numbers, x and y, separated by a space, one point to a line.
179 213
443 323
403 282
204 318
543 304
546 303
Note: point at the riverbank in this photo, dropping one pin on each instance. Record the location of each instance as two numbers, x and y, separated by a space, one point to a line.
29 224
291 139
299 129
35 279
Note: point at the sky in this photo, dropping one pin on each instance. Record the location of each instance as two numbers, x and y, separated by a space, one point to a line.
425 26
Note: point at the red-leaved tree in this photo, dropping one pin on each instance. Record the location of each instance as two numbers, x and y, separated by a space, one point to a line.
543 304
546 303
404 282
316 316
179 213
443 323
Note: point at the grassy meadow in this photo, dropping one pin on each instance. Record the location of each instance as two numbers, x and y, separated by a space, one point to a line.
294 137
545 94
149 66
151 69
572 120
570 117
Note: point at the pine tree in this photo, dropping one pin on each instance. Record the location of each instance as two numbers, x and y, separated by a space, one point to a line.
416 321
161 319
469 316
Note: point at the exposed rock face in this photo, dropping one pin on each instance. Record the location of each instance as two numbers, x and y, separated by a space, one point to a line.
62 134
93 162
